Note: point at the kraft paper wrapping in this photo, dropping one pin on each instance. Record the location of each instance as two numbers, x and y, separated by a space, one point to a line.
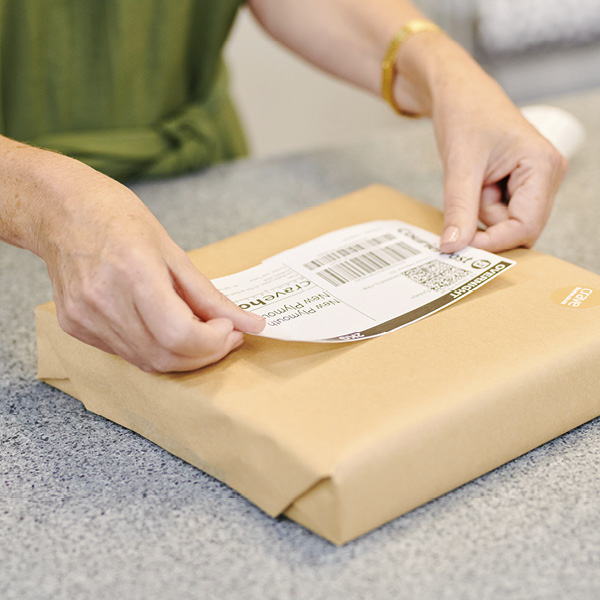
343 438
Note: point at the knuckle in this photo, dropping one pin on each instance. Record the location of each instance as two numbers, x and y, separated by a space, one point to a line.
147 367
163 362
223 300
76 325
531 232
133 267
457 207
66 323
72 316
556 161
96 291
172 338
89 295
86 293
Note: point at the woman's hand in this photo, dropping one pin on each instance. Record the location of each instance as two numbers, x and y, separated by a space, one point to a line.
489 151
497 168
121 284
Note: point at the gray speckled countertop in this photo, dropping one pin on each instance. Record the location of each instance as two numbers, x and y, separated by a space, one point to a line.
91 510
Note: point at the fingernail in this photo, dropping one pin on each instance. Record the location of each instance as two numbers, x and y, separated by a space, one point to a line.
257 317
450 235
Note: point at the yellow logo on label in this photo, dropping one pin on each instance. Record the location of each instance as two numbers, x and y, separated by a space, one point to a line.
577 297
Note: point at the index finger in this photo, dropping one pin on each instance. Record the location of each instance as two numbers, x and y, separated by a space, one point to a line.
462 194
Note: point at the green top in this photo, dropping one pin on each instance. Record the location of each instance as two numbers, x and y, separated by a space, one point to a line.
134 88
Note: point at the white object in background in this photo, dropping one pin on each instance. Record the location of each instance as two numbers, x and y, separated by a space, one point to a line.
556 125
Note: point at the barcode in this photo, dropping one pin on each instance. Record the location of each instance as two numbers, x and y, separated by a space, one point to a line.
342 253
362 261
436 275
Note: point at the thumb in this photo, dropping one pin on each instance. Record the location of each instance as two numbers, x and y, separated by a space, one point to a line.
207 302
462 193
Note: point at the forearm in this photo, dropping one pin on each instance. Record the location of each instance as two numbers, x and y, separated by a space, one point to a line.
34 184
48 200
20 194
482 138
119 282
349 38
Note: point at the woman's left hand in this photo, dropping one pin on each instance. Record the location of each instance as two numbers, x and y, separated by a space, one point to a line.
498 170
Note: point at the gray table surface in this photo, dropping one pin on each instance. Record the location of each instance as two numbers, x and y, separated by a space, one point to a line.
91 510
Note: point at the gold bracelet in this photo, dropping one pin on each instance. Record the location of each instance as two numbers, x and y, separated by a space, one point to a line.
388 65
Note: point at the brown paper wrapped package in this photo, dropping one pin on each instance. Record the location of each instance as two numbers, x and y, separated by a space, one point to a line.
343 438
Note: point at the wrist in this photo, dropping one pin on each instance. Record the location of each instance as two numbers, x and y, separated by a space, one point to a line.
59 184
389 64
24 198
41 190
427 66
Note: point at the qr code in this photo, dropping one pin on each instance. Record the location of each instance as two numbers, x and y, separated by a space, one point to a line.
436 275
